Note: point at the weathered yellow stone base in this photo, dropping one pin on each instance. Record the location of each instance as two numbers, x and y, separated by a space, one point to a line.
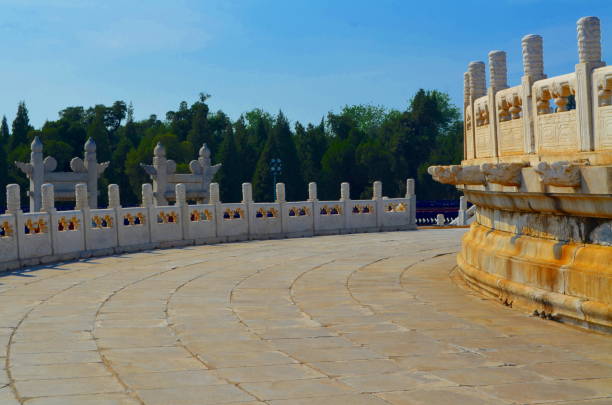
570 281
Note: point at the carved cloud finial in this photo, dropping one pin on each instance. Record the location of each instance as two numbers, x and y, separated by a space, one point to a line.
589 39
90 146
36 145
478 85
204 151
498 72
159 150
533 56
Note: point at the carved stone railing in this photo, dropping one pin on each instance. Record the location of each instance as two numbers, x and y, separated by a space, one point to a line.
50 235
542 116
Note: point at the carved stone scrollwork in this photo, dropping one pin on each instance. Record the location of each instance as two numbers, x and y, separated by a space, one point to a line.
561 92
605 91
559 174
504 110
517 107
558 91
77 165
510 107
482 115
506 174
456 174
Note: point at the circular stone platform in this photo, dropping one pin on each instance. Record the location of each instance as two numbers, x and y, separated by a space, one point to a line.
352 319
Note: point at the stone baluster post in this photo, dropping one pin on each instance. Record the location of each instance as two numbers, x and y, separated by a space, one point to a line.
378 203
313 199
48 198
589 52
91 163
461 219
148 203
160 181
377 190
411 196
81 198
533 57
281 201
440 220
478 85
147 195
478 88
37 177
216 201
280 193
114 198
13 199
312 191
345 198
114 203
498 72
498 79
247 200
345 191
214 194
180 194
409 188
466 109
533 67
247 193
81 203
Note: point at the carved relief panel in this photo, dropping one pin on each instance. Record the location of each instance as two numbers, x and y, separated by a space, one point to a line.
510 121
555 121
482 132
602 83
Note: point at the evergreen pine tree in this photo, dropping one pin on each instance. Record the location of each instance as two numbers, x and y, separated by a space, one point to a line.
279 145
21 127
98 132
4 131
230 175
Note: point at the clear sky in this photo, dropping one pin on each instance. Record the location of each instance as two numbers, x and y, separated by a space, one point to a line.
306 57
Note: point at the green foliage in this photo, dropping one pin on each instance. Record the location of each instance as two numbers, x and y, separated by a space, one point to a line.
21 127
360 144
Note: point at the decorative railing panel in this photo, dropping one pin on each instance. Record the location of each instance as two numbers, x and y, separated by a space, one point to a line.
101 232
265 219
298 218
67 232
166 224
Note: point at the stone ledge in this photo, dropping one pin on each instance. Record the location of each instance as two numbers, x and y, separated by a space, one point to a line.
564 283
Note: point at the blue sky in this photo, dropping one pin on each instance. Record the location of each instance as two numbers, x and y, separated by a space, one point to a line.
304 57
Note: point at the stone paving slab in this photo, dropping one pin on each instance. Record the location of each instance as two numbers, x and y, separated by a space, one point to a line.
346 319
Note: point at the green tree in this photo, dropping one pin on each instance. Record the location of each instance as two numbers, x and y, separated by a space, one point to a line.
311 143
280 144
4 131
98 132
21 127
200 128
229 176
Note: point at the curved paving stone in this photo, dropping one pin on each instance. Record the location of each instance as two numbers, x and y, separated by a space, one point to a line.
352 319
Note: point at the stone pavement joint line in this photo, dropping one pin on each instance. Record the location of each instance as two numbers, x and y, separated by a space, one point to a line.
350 319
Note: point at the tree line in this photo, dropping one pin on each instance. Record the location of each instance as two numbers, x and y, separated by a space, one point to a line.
360 144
